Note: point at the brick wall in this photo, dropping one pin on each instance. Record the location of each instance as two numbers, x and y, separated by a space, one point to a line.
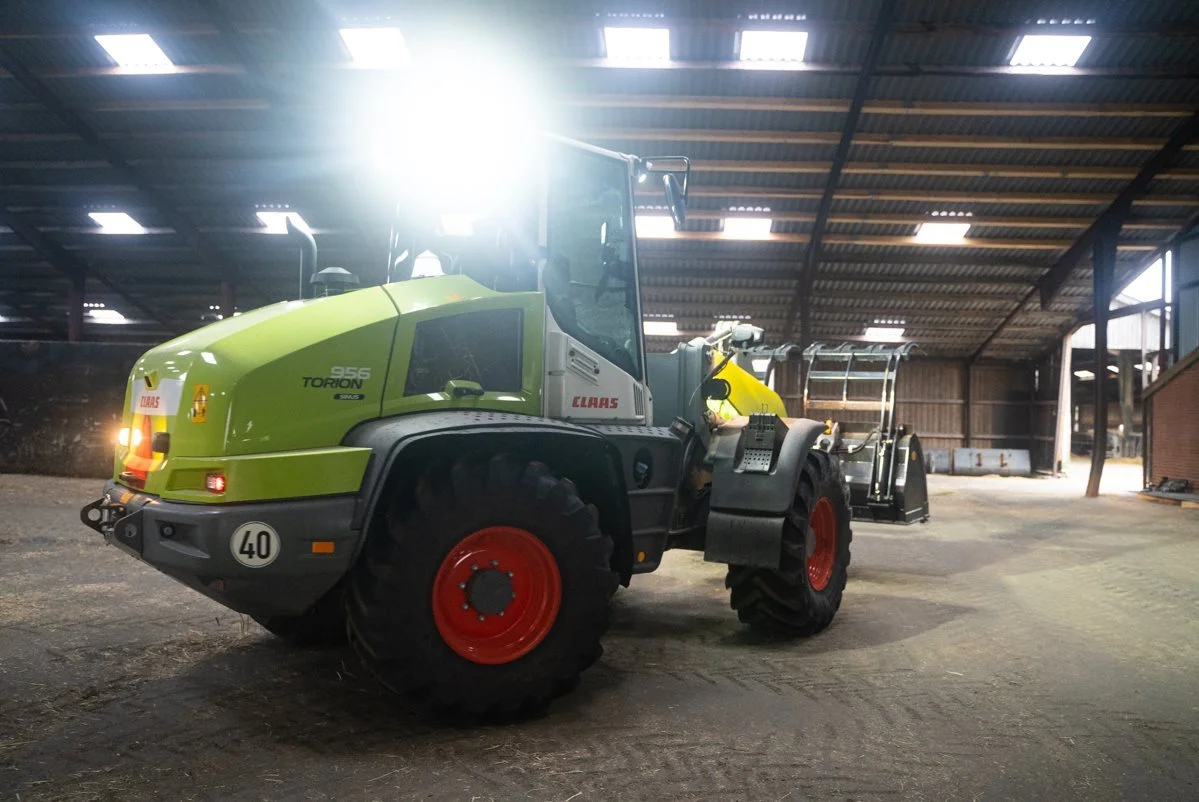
1174 426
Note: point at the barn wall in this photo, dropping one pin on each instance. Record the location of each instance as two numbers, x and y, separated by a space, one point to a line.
1013 406
60 405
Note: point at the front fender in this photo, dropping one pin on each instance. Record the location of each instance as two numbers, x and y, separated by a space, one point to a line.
402 447
751 494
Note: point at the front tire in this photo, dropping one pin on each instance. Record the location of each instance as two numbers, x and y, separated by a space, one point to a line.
802 596
487 593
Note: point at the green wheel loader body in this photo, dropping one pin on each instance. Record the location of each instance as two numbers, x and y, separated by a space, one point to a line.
276 461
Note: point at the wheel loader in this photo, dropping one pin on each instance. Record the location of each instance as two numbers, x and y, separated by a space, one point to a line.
456 469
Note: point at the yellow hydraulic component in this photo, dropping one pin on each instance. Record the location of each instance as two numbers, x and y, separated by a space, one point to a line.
748 395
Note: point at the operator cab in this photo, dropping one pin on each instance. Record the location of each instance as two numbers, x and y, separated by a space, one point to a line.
561 224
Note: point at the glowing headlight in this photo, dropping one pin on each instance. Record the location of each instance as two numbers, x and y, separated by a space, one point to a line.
129 436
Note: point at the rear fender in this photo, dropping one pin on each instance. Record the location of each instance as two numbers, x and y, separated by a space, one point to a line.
403 447
751 496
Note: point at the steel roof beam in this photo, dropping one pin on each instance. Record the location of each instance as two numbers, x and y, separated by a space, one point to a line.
70 264
1113 216
76 124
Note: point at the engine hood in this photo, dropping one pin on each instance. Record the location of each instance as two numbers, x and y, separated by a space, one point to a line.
292 375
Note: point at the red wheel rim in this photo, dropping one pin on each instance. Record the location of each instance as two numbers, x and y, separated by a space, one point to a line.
496 595
824 550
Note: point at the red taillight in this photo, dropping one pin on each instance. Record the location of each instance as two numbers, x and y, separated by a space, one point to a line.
215 482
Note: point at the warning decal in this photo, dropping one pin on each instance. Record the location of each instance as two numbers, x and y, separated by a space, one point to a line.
200 403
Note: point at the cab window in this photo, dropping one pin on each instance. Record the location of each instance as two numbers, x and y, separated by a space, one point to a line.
589 279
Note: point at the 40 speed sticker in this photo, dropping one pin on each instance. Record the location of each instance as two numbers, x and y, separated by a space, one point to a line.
255 545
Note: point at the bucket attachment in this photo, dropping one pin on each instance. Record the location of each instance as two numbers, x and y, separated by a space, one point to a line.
883 462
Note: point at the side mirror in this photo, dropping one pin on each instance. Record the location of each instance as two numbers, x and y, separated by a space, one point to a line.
675 199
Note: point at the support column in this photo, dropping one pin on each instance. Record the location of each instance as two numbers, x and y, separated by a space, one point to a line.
1065 407
1169 259
967 405
76 288
1103 265
1124 362
805 339
1172 354
228 300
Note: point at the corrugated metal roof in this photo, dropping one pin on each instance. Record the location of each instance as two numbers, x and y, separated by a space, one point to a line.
213 145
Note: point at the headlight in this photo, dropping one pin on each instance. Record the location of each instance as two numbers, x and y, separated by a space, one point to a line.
129 436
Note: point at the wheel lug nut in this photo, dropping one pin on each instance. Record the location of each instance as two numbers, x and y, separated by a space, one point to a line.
482 617
514 594
474 566
495 563
465 606
510 574
462 585
501 613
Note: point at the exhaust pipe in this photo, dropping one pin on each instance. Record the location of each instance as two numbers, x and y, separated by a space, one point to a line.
307 253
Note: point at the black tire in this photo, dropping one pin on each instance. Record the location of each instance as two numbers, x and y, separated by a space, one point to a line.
785 601
322 626
391 602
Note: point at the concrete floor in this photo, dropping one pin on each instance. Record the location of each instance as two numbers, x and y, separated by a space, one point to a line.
1027 644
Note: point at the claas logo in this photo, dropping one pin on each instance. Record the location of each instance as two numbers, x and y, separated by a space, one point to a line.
594 402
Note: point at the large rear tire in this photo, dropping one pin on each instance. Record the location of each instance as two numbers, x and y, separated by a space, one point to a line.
802 596
488 591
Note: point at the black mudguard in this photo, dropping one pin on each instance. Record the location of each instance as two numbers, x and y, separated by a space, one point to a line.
403 446
752 495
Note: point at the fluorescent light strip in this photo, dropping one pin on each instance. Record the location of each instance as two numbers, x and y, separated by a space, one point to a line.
884 334
773 46
655 226
106 316
376 48
136 52
116 223
1037 50
942 233
276 222
749 228
637 45
660 328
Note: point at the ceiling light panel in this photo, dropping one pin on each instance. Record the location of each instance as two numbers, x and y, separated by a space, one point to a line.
773 46
637 45
135 52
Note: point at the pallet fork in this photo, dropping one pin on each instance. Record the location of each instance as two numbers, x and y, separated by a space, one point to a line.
883 461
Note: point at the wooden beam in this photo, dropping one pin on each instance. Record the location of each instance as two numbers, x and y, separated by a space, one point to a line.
872 139
944 170
771 297
980 221
892 241
650 276
891 70
933 196
574 21
757 167
882 107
